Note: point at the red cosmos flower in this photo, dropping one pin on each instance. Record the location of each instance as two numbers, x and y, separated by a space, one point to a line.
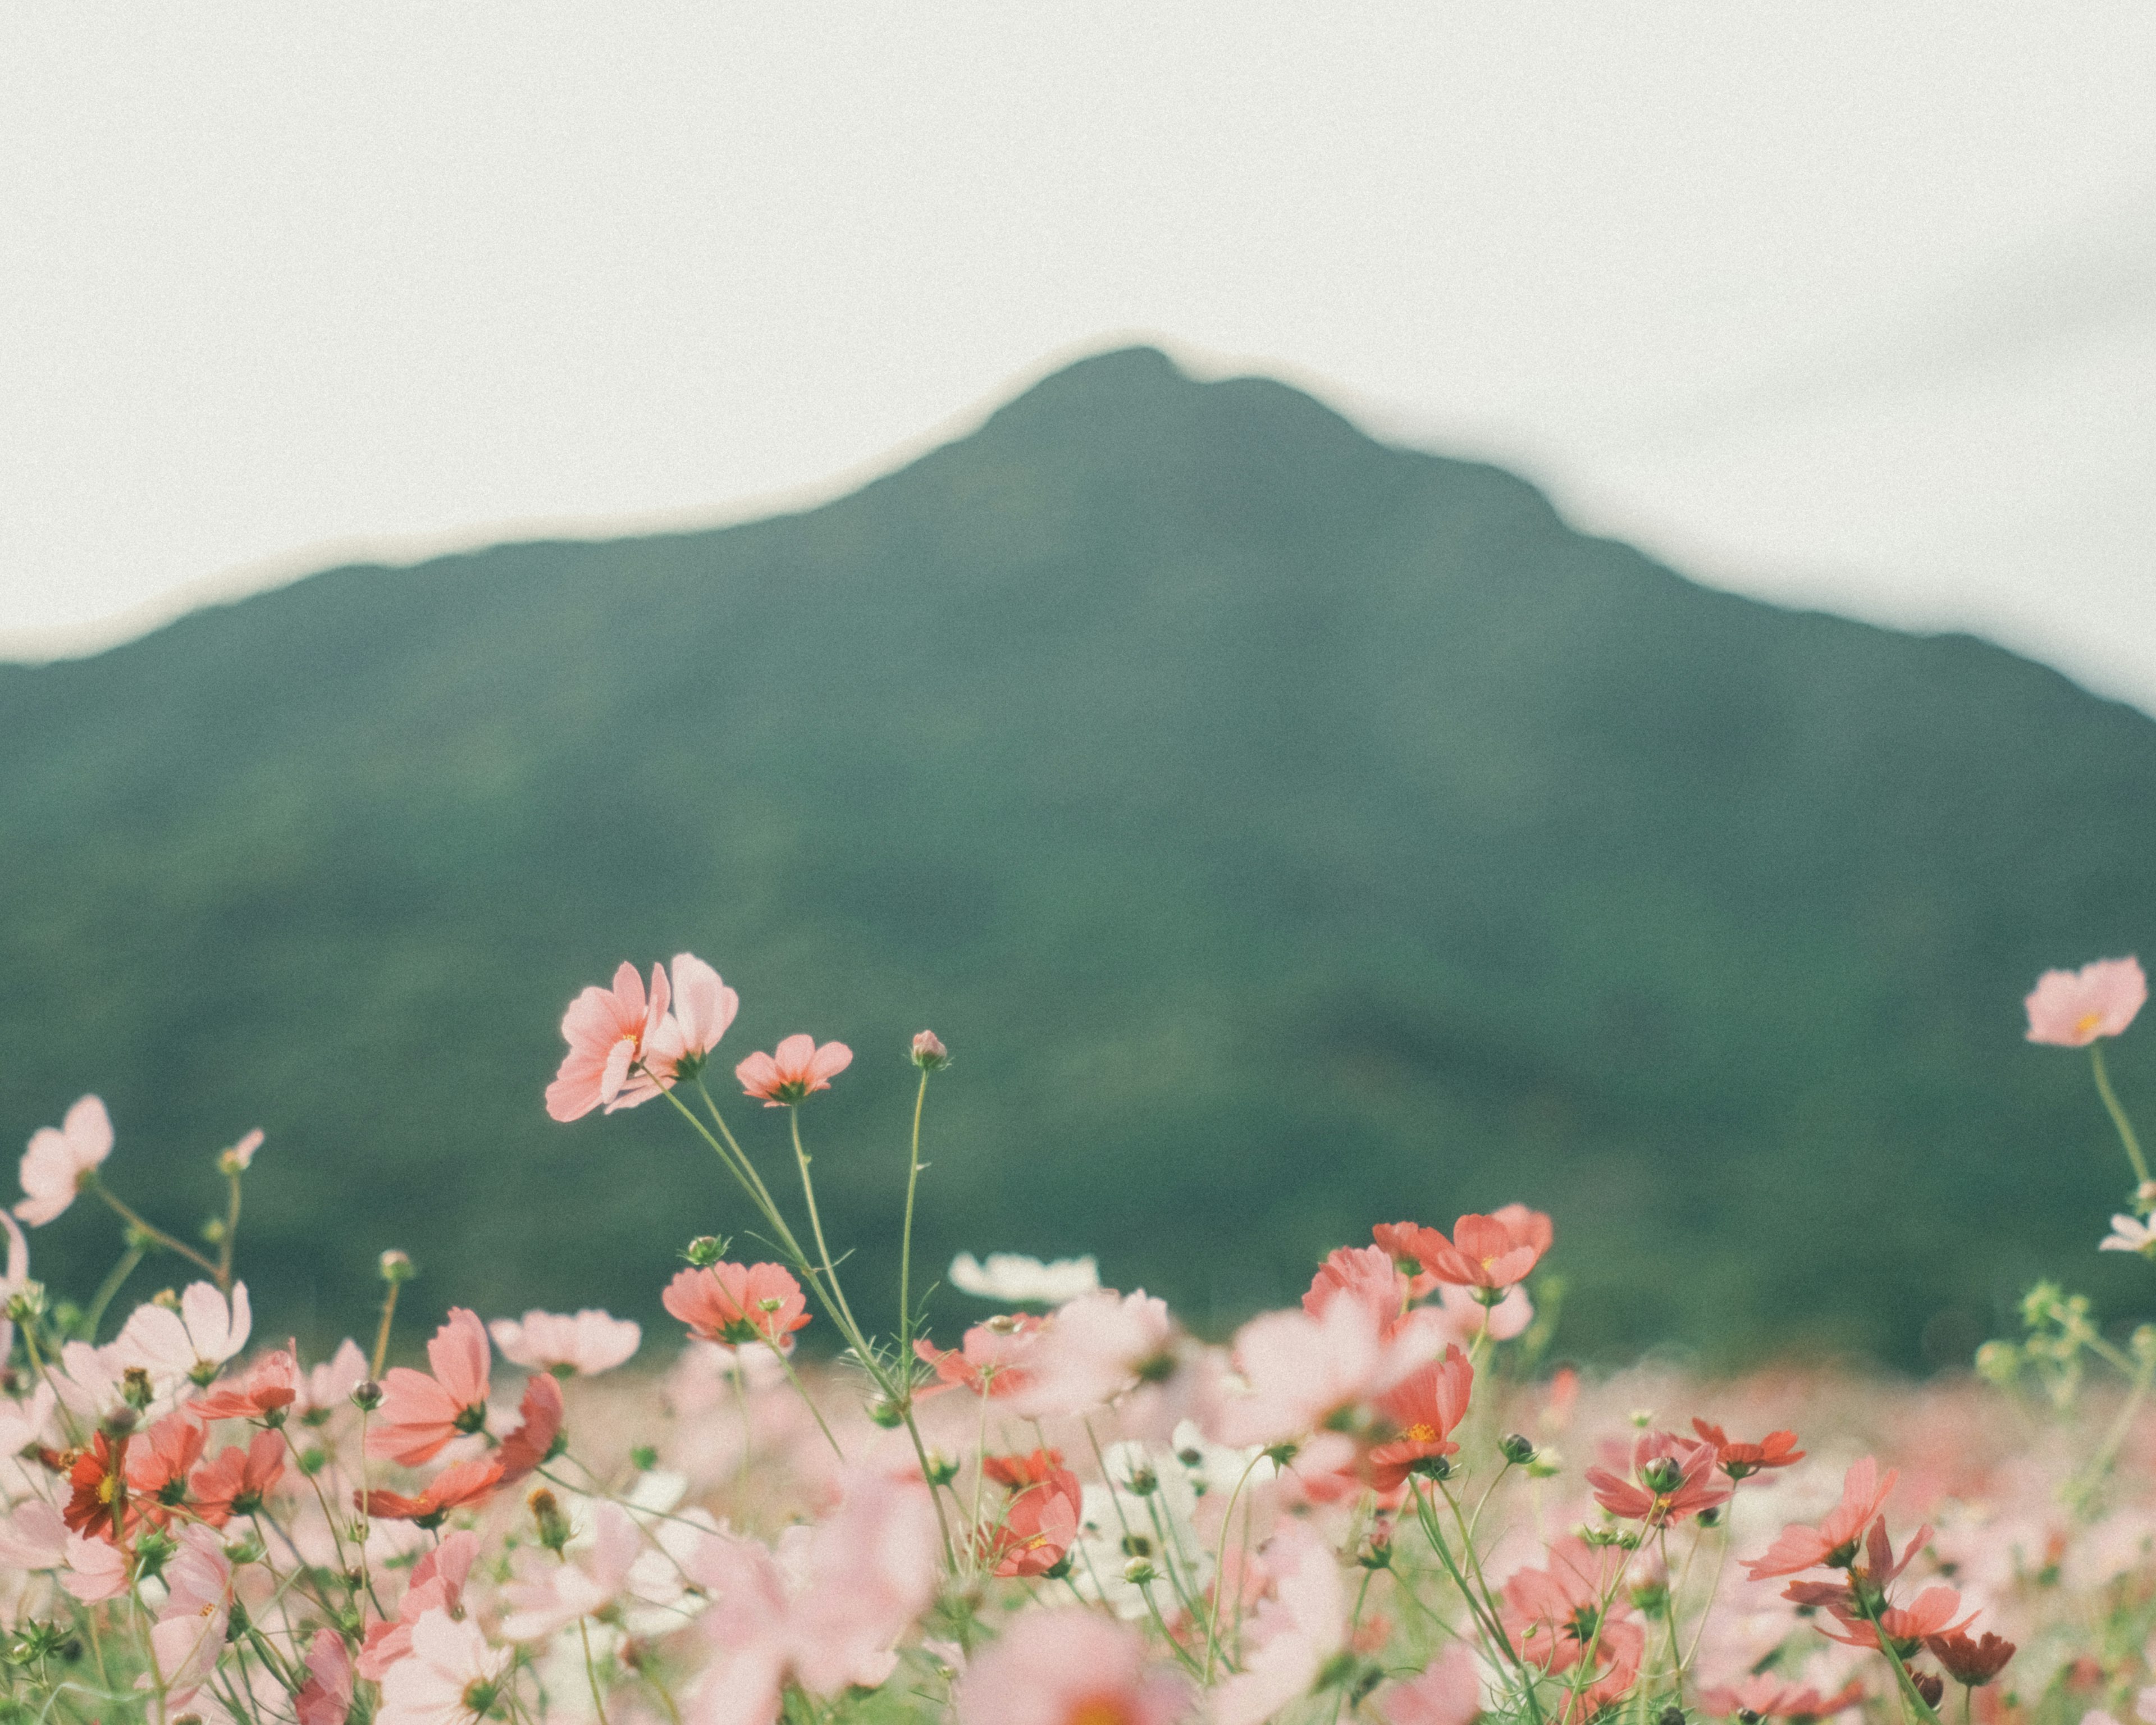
793 1070
1762 1696
238 1481
1554 1617
419 1413
1672 1478
268 1389
1396 1241
991 1361
523 1449
1040 1519
738 1303
1490 1252
1971 1663
158 1468
1425 1407
1834 1542
459 1483
98 1506
1778 1449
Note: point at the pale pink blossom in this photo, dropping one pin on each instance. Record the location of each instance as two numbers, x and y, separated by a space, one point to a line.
61 1160
241 1157
1296 1630
587 1344
2129 1234
189 1634
91 1381
1297 1370
450 1677
437 1584
1464 1316
793 1069
2071 1008
549 1595
608 1031
703 1007
1095 1347
36 1536
191 1343
1070 1666
326 1388
823 1611
1448 1692
96 1569
326 1698
420 1415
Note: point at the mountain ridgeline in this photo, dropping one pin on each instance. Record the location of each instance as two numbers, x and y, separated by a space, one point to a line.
1287 833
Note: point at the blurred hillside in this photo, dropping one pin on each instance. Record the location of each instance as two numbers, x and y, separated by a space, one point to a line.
1285 832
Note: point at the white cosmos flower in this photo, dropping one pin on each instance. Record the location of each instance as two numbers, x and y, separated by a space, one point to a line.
1016 1279
2128 1234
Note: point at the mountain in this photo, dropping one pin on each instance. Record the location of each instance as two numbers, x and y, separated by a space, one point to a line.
1286 832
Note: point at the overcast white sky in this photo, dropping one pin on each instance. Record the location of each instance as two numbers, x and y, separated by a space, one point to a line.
1849 304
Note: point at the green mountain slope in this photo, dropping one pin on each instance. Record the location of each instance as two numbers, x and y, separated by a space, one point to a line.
1287 833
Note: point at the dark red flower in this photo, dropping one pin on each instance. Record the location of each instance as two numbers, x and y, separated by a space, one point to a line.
1778 1449
1971 1662
98 1507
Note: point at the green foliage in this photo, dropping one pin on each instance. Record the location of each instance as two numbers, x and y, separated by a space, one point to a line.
1285 832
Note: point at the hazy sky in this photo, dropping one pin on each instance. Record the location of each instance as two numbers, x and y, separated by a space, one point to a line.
1850 304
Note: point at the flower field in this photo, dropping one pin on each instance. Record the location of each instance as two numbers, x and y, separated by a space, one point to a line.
1383 1502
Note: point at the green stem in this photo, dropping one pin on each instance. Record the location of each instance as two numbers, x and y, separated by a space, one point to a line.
2117 1114
225 1246
905 1237
382 1330
157 1235
816 1230
109 1289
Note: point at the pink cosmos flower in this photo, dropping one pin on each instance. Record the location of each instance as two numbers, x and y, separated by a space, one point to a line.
795 1069
1096 1347
823 1612
188 1637
326 1698
1836 1539
272 1384
2129 1234
993 1359
1423 1409
548 1594
451 1677
420 1415
585 1345
1491 1252
192 1343
1466 1318
703 1007
1767 1697
1298 1371
35 1537
539 1423
59 1161
326 1388
1448 1692
456 1486
1364 1273
96 1569
1931 1613
1554 1617
736 1303
2071 1008
437 1584
1297 1632
1070 1666
1670 1478
608 1031
1041 1517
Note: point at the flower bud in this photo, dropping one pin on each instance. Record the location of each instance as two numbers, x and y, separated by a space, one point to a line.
554 1525
886 1413
1516 1448
941 1470
396 1267
1664 1474
705 1251
1140 1573
27 1303
367 1397
644 1458
134 1387
929 1053
166 1299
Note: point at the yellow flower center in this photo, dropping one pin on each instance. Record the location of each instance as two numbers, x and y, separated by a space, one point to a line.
1420 1432
2086 1024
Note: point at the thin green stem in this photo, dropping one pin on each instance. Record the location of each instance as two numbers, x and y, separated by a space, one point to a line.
816 1228
2117 1114
225 1246
382 1330
158 1236
109 1289
906 1236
